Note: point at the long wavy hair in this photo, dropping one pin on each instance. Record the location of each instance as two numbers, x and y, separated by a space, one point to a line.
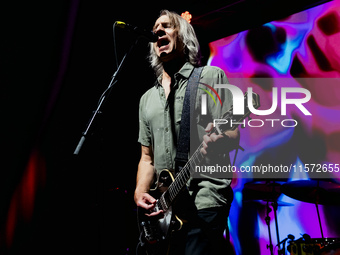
186 34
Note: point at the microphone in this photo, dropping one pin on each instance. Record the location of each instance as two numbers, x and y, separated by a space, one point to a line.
139 31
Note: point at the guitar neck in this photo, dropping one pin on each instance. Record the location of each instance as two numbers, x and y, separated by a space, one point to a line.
181 179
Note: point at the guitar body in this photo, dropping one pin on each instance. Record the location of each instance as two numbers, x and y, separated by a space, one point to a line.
155 233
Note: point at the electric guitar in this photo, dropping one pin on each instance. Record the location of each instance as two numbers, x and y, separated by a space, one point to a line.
155 232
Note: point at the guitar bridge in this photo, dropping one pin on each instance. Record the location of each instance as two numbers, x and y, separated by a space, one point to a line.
151 232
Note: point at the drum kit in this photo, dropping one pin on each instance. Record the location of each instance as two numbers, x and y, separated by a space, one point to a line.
318 192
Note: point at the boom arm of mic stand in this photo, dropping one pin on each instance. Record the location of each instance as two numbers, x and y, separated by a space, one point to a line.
102 99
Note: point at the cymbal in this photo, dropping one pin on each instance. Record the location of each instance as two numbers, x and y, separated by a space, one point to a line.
267 186
262 190
313 191
264 202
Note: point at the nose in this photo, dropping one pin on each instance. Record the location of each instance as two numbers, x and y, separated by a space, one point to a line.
159 31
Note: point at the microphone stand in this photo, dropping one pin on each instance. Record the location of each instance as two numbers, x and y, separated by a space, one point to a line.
317 207
274 205
103 98
267 219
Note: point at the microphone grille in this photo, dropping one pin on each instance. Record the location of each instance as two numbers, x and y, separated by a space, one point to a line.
120 24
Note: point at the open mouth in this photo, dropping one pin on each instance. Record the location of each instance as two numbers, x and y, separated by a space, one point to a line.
162 42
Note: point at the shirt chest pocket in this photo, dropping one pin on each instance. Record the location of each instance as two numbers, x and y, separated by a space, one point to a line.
178 107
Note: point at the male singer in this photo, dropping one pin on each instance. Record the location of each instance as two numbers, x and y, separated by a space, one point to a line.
174 57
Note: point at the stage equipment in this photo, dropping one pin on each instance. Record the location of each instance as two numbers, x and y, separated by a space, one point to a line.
314 246
142 33
313 191
137 30
267 192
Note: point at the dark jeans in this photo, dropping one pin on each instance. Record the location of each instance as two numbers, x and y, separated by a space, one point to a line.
203 234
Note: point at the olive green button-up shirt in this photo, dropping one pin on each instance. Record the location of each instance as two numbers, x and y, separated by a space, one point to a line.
159 124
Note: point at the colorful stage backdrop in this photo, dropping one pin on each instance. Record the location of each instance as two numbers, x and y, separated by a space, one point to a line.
300 51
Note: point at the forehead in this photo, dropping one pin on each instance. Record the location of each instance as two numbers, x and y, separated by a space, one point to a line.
162 19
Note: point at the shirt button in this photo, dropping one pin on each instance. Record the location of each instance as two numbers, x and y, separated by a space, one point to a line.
166 129
167 150
162 95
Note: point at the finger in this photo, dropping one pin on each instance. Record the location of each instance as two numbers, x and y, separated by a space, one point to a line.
149 199
206 139
159 213
209 127
147 202
214 137
144 205
203 151
204 148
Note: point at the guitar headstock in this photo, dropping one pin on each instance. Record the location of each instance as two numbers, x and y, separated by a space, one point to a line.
229 121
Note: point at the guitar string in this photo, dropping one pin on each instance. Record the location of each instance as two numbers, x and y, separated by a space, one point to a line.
184 175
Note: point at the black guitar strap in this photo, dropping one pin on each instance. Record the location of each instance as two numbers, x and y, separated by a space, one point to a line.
183 144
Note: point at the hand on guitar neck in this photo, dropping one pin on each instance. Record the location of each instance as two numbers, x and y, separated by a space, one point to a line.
216 143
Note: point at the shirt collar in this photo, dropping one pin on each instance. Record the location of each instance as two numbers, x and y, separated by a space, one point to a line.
185 72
